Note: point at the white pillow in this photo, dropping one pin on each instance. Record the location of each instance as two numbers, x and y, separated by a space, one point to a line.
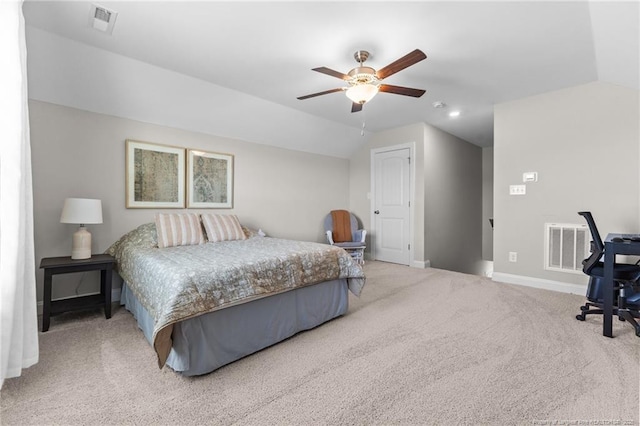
222 227
178 229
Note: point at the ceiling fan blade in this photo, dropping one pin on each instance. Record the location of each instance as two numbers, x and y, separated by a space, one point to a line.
332 73
356 107
326 92
402 63
399 90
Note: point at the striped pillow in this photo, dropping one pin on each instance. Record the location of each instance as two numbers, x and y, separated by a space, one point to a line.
222 227
178 230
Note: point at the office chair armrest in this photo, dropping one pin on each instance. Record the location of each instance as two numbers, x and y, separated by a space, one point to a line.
330 237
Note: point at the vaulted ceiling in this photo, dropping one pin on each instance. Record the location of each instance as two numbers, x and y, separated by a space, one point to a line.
478 53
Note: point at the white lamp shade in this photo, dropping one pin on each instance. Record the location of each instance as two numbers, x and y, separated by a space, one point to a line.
361 93
81 211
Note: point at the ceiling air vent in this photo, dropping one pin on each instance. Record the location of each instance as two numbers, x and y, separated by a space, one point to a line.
102 19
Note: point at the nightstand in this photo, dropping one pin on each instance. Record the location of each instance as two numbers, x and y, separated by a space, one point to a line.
66 265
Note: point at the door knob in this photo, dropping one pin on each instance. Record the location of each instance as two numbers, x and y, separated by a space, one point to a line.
377 212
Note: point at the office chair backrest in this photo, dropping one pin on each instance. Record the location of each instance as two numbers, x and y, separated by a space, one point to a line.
597 247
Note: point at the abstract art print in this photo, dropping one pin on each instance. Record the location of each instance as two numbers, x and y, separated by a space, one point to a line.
154 175
209 180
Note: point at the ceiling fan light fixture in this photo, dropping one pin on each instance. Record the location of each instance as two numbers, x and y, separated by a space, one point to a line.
362 93
365 82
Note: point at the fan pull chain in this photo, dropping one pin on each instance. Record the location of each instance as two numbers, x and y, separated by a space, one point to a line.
363 124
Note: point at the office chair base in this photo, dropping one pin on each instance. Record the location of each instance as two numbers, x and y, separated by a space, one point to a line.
623 315
583 316
586 310
630 317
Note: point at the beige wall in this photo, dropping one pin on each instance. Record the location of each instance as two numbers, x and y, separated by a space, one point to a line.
453 203
584 143
360 182
447 196
77 153
487 203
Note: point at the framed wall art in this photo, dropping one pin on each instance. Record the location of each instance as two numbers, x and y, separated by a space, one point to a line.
155 175
209 180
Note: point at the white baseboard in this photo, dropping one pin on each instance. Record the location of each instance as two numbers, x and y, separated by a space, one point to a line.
115 297
540 283
422 264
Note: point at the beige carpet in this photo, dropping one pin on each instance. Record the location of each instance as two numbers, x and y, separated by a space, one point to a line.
419 347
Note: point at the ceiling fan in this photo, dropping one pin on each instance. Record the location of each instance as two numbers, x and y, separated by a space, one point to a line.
365 82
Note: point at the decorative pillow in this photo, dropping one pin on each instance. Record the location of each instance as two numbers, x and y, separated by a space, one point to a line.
250 233
222 227
175 229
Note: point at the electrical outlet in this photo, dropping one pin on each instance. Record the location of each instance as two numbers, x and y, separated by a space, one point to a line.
513 256
517 189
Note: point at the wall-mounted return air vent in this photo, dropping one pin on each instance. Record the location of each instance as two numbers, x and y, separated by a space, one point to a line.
566 246
102 19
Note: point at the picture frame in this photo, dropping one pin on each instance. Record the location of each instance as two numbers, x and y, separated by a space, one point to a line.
155 175
209 180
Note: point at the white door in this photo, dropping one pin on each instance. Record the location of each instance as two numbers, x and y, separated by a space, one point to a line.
392 206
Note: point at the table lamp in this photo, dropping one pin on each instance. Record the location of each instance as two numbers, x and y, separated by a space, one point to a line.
81 211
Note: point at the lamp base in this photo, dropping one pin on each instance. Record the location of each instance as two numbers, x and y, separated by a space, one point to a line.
81 248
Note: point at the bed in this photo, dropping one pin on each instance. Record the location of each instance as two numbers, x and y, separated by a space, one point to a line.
203 306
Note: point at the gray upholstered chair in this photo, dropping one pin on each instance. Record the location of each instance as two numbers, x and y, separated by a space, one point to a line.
356 246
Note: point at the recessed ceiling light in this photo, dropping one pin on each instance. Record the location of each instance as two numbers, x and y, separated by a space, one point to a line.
438 104
453 114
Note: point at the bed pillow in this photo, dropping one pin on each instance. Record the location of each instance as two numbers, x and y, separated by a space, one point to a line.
249 232
181 229
219 227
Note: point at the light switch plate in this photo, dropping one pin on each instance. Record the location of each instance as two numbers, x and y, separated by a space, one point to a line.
530 177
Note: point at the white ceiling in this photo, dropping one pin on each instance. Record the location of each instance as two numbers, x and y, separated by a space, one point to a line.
478 53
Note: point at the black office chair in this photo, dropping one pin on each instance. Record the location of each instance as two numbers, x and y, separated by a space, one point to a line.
629 308
625 277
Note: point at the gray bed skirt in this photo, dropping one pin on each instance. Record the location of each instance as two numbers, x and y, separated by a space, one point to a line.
209 341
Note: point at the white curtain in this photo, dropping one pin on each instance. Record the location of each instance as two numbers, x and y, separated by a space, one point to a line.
18 314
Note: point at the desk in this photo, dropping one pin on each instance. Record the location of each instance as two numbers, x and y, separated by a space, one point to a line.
66 265
611 249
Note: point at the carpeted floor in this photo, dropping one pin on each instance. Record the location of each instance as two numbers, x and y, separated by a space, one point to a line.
419 347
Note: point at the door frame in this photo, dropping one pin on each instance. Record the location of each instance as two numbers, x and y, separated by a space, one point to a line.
372 197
